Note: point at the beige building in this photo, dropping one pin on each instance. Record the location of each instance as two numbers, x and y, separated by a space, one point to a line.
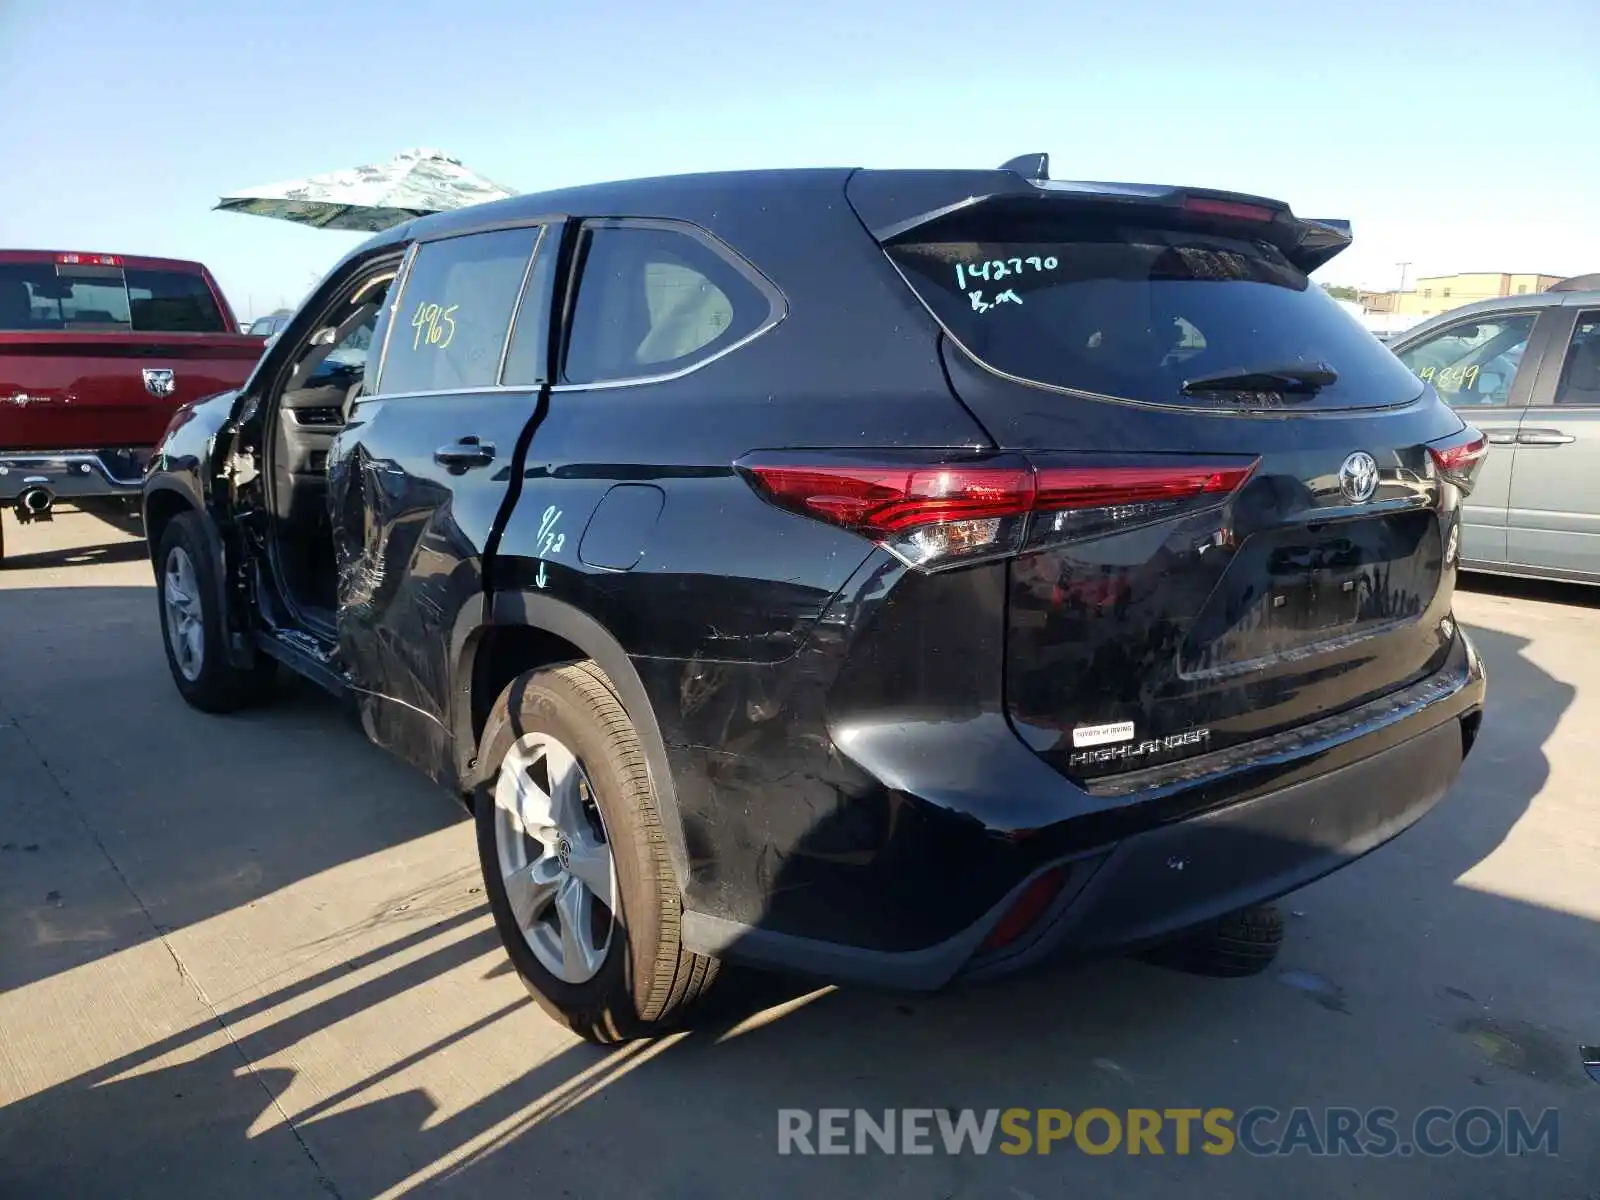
1440 293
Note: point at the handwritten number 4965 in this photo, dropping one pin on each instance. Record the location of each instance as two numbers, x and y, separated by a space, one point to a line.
433 326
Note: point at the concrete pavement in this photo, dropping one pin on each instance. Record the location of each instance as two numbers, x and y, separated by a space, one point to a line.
249 957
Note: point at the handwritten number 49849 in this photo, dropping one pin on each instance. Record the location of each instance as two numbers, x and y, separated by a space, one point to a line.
433 326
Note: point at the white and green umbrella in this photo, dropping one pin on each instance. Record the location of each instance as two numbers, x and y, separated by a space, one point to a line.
367 199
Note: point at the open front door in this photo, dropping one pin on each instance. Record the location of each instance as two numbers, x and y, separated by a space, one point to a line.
426 468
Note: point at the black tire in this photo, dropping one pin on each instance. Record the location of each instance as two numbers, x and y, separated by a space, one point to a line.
219 686
648 982
1238 945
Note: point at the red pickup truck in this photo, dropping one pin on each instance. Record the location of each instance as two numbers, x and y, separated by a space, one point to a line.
97 351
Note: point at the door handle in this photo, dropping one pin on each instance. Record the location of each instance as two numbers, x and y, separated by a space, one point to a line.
1544 437
467 453
1501 437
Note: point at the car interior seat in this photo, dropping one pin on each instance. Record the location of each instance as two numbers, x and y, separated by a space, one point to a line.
693 312
1582 382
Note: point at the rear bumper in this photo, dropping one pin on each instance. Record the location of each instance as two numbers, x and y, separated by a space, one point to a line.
1172 878
73 474
1255 828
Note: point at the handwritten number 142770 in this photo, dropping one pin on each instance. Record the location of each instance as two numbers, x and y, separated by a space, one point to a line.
1000 268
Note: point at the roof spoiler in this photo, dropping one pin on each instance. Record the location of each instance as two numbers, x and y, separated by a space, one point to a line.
1319 241
893 203
1029 166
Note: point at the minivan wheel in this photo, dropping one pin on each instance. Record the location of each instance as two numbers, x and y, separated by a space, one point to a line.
1232 947
574 861
191 626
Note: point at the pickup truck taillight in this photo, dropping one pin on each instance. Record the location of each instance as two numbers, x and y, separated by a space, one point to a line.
934 515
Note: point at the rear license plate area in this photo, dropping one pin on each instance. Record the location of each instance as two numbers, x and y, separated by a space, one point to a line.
1316 598
1291 590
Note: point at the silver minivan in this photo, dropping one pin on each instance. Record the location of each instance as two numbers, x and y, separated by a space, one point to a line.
1526 371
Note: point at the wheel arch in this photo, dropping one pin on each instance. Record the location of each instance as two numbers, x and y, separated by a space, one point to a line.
519 631
163 502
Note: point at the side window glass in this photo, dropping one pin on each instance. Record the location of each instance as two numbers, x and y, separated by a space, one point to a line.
527 356
1474 363
450 325
336 353
1580 374
346 363
652 301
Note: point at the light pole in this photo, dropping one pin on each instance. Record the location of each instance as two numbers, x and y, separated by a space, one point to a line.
1394 308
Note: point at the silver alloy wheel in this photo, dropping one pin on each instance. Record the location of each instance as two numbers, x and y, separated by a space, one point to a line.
555 857
186 631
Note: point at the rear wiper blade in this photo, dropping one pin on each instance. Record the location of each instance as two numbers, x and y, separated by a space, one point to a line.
1293 377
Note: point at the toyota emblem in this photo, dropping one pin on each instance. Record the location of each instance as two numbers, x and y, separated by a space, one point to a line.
1358 477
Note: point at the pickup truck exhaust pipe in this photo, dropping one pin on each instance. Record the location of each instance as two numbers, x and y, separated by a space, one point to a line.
35 504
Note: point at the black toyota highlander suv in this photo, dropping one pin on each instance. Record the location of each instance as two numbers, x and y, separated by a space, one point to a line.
894 576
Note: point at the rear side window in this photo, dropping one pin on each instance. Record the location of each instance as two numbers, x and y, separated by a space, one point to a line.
450 324
652 301
1580 374
44 297
1135 311
171 302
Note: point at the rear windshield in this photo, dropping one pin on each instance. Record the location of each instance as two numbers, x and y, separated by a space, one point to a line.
43 297
1135 311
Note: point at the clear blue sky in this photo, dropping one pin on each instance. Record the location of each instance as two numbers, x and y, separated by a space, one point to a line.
1458 135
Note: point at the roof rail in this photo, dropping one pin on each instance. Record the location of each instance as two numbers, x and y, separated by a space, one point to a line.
1029 166
1578 283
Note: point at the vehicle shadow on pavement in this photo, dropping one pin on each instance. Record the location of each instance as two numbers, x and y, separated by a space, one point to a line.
1400 985
77 556
123 812
1549 591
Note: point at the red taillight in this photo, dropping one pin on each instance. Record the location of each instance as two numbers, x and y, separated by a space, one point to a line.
939 515
1090 487
889 500
89 260
1028 907
1234 209
1458 459
1462 458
